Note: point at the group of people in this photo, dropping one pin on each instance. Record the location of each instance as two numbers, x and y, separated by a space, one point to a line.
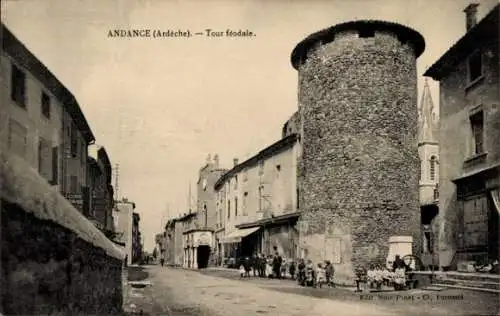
262 266
274 266
377 275
316 276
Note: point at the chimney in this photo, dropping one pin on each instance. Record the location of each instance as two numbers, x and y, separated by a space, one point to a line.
216 160
235 161
471 15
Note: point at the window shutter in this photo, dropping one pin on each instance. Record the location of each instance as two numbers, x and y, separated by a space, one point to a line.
55 165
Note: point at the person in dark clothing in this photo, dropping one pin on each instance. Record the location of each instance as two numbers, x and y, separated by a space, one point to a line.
329 271
254 264
248 266
262 265
291 270
277 261
301 272
399 264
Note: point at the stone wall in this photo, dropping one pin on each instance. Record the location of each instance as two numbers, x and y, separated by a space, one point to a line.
47 269
359 169
53 260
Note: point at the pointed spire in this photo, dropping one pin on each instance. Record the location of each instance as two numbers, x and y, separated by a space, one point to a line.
427 127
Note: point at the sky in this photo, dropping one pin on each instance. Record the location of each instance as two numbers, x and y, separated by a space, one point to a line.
160 106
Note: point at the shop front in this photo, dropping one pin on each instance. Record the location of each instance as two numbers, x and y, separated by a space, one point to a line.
241 242
278 233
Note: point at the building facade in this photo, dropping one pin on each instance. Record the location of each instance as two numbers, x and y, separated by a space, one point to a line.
34 100
123 219
207 213
178 249
428 151
359 171
136 239
169 243
257 203
45 124
101 191
188 229
77 137
469 137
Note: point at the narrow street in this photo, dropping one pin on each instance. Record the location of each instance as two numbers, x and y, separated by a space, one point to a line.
184 292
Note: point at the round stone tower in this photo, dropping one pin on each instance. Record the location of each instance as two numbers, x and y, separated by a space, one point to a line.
359 168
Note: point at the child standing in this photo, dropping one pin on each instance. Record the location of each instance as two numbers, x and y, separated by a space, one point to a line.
320 275
242 270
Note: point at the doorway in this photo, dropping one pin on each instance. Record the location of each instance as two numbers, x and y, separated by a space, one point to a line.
203 255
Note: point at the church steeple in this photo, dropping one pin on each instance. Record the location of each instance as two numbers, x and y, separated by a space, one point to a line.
427 126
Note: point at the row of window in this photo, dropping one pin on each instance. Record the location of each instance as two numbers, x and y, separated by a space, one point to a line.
244 208
18 95
48 156
245 178
18 91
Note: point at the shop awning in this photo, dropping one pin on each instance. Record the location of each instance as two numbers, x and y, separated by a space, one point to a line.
238 234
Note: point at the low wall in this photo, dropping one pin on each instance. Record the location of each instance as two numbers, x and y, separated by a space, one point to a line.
53 260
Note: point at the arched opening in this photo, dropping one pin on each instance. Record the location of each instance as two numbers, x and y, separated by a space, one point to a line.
203 255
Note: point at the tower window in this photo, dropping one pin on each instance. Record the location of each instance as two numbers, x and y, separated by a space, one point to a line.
433 163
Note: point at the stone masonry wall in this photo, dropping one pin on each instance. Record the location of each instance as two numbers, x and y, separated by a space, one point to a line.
360 168
46 270
53 259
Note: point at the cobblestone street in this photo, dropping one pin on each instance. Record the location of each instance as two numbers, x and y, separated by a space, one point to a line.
184 292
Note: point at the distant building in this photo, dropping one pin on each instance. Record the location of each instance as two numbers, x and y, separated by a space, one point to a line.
101 190
169 243
136 239
469 139
123 219
207 215
257 202
428 150
186 236
173 243
178 250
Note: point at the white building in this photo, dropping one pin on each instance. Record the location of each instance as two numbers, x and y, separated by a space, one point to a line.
123 219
